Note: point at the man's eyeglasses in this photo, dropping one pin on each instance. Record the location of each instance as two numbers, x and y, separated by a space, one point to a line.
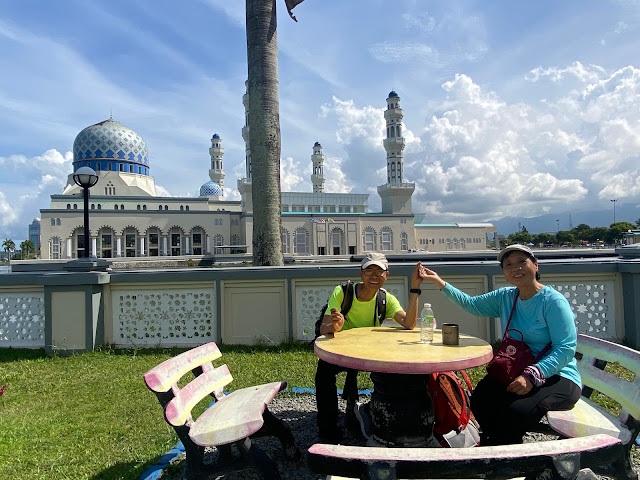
368 272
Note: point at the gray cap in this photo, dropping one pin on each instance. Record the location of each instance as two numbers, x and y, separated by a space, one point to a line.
518 248
375 258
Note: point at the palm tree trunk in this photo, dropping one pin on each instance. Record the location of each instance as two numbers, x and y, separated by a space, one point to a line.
264 128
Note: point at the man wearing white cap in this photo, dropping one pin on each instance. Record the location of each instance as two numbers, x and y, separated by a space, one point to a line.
374 271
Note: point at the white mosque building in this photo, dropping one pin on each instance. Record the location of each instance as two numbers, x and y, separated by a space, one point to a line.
128 218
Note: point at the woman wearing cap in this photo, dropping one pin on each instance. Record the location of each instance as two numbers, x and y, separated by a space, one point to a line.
544 316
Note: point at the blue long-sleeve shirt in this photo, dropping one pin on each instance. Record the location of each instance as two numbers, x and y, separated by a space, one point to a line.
545 317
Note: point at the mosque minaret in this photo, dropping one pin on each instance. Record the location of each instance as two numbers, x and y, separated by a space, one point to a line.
216 172
396 193
317 159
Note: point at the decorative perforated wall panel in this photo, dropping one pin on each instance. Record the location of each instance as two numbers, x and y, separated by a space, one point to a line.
22 320
593 305
592 302
311 298
176 316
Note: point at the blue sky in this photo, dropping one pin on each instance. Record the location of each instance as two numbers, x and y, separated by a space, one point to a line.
510 108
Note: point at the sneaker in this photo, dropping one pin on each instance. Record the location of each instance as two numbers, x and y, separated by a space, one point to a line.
362 414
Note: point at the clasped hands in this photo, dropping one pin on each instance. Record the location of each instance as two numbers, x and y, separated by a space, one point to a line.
520 386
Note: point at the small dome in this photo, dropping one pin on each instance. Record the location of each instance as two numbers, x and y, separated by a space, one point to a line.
215 135
317 144
392 93
210 189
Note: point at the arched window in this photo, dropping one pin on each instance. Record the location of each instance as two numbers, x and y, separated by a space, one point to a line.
99 207
187 208
398 131
130 242
181 207
115 207
386 238
159 207
218 240
53 222
54 248
93 206
105 242
369 239
404 241
166 207
286 241
144 207
75 206
301 241
153 241
58 222
197 239
337 241
121 207
175 236
68 206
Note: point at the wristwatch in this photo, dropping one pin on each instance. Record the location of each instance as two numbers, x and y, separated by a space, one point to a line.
415 290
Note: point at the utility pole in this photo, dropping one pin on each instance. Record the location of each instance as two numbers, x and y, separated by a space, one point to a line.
614 200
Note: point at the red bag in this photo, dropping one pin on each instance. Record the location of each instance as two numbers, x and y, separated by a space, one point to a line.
454 425
512 356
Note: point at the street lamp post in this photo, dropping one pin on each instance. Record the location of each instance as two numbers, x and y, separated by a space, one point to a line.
86 178
614 200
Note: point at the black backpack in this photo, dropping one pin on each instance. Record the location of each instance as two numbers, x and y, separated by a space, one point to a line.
347 299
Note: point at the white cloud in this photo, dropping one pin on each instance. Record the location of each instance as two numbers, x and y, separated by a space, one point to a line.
583 73
8 214
291 175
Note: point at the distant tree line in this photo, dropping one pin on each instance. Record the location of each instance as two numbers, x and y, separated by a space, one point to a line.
582 235
27 249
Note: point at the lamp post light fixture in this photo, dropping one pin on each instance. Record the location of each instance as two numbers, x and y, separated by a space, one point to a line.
86 178
614 200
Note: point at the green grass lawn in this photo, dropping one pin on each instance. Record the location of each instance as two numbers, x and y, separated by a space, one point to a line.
91 416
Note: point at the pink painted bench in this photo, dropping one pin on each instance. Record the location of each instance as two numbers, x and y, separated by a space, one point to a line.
587 417
567 459
232 419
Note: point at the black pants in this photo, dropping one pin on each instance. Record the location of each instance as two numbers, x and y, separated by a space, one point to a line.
505 417
327 393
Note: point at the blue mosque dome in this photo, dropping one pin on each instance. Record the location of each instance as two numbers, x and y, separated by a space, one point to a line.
210 189
215 135
317 144
110 145
392 93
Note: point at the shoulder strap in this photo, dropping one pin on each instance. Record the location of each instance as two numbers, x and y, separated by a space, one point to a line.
506 329
380 312
347 297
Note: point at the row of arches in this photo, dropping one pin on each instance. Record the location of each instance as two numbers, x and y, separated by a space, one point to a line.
298 243
130 242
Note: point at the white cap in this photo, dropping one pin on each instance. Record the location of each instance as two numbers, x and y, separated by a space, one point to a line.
427 305
375 258
516 247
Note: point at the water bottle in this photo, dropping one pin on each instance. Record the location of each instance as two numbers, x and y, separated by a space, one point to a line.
427 324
